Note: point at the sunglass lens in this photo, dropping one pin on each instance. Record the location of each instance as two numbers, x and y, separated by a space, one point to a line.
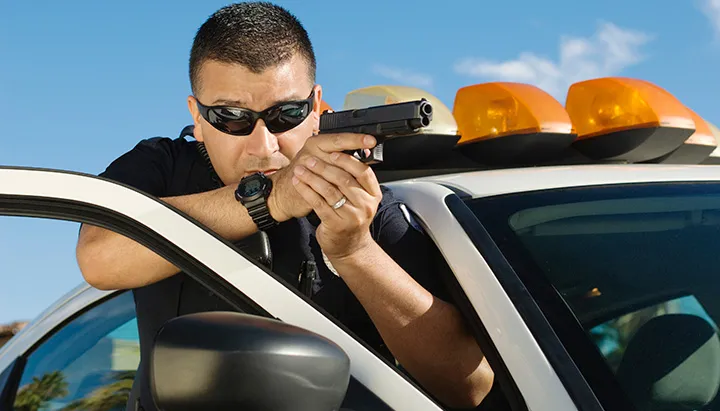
230 121
287 116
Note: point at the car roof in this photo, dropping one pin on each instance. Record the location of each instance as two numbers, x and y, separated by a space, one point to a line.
485 183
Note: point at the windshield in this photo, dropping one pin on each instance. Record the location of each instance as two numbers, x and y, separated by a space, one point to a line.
636 267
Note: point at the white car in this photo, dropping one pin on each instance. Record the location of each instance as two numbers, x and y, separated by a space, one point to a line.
589 287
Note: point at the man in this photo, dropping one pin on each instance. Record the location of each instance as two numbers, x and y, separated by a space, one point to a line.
255 107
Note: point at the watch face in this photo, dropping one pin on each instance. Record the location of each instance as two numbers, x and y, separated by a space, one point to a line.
252 187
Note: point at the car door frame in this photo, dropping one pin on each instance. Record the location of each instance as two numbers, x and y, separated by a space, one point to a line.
203 255
512 348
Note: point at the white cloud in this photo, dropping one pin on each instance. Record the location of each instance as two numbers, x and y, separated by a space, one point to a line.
608 52
711 8
404 76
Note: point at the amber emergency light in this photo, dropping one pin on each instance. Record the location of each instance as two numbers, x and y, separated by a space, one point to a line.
626 120
695 149
714 157
506 123
430 142
324 106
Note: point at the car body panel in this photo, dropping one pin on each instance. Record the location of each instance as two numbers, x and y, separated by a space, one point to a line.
507 181
535 377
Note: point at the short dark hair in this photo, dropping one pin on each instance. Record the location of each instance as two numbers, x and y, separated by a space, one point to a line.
257 35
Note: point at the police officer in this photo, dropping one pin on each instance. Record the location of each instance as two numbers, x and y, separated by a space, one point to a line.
257 165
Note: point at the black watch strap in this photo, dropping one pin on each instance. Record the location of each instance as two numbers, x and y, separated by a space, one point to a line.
260 213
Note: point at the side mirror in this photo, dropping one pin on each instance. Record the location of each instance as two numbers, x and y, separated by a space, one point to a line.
231 361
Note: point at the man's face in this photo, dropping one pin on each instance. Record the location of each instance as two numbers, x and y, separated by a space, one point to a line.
234 85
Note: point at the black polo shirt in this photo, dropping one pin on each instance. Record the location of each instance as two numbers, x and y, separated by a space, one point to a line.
165 167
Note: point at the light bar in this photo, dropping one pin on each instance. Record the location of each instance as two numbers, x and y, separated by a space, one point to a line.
714 157
429 143
695 149
503 122
626 120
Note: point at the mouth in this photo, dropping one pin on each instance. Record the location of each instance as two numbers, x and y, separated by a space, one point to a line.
267 172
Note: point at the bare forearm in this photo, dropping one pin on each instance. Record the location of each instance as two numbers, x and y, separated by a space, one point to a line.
112 261
424 333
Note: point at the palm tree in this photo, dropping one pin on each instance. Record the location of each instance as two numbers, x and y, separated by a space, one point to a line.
36 394
107 397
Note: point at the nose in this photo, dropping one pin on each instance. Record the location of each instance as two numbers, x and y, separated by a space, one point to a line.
261 142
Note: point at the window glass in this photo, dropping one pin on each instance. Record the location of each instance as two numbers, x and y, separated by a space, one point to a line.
89 361
613 336
639 268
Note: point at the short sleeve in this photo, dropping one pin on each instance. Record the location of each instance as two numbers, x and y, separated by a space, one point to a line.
146 167
404 240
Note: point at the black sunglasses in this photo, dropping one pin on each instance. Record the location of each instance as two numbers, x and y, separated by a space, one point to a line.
238 121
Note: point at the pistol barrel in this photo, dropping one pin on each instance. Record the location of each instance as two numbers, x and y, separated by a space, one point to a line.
381 121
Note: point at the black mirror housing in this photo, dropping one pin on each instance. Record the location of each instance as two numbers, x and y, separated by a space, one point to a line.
232 361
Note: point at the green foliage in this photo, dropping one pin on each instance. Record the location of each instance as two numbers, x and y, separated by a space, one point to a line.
38 393
107 397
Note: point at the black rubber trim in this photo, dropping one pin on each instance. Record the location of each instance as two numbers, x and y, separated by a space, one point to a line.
458 192
479 331
8 392
45 207
571 377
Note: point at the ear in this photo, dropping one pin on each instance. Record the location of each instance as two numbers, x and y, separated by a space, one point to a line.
195 114
316 109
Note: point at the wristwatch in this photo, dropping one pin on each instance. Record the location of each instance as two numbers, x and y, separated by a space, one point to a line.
253 192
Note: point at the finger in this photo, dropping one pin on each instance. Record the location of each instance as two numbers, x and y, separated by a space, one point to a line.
341 179
330 193
329 143
318 203
362 172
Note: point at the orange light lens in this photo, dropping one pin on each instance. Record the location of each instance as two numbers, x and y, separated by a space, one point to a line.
610 104
497 109
716 133
703 135
324 106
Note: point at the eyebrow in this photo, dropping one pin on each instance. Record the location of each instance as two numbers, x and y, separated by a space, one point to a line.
240 103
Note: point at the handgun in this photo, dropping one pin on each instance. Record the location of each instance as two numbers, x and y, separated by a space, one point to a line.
382 122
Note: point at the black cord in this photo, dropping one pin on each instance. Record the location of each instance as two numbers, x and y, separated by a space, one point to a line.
203 152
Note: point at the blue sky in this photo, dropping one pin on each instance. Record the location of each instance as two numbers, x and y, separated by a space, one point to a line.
82 81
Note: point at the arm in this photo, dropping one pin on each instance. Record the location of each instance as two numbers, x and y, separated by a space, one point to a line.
426 334
109 260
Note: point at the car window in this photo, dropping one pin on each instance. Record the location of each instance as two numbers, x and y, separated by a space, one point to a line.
613 337
638 268
90 360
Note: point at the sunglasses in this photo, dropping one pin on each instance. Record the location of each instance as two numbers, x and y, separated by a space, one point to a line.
238 121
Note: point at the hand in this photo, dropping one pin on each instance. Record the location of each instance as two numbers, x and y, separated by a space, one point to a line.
323 180
285 202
